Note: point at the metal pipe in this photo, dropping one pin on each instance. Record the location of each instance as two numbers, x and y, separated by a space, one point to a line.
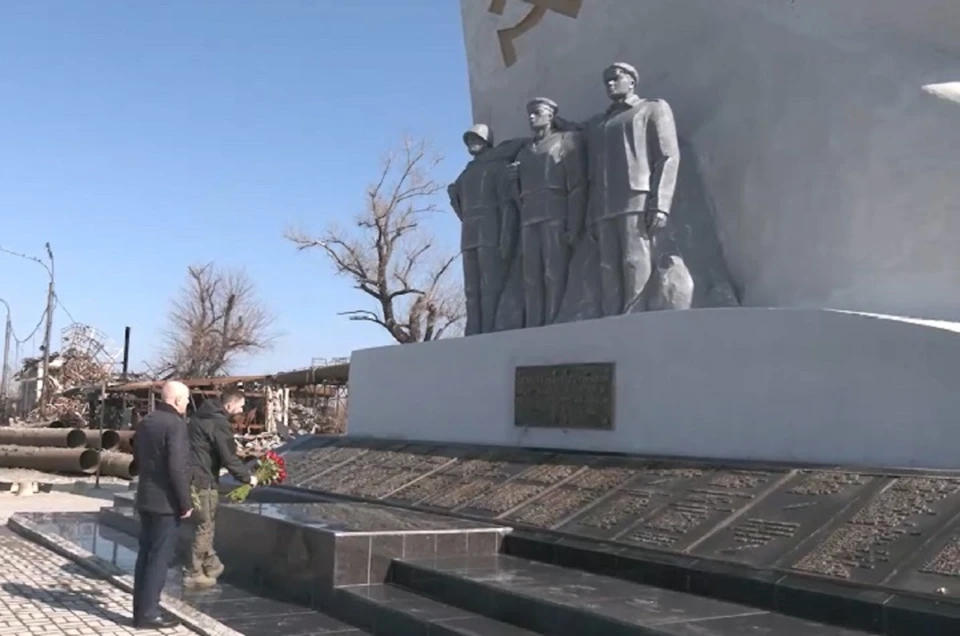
46 437
126 352
334 374
118 465
109 439
62 460
125 445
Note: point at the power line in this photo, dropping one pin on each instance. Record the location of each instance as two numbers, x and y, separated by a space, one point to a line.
28 257
32 333
65 310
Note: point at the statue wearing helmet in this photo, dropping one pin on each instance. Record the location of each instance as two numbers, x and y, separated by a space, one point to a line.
479 198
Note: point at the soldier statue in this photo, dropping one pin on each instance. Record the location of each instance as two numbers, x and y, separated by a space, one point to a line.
549 178
633 158
477 197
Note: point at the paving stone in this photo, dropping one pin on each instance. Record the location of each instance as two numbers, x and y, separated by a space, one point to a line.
45 594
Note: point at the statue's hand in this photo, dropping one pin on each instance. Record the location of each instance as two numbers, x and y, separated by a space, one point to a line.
513 171
572 236
656 220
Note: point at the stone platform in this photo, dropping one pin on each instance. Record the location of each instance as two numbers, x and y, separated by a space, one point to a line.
858 531
788 385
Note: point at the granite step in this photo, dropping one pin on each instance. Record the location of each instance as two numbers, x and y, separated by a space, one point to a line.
389 610
552 600
124 499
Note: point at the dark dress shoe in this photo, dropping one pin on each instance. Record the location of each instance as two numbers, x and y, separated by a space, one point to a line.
155 623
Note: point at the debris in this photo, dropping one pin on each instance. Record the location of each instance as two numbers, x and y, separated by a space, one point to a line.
86 360
69 411
253 445
307 420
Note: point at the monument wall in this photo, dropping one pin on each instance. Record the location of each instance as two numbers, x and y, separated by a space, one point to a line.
822 136
747 383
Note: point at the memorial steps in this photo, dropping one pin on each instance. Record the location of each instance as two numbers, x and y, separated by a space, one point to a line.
394 537
459 590
864 549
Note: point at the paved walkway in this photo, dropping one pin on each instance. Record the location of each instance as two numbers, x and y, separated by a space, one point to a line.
52 502
44 594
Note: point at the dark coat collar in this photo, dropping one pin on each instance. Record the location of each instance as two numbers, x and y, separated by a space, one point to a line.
166 408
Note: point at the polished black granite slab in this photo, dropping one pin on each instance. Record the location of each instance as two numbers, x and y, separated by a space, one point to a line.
394 611
897 529
358 518
236 602
551 600
307 550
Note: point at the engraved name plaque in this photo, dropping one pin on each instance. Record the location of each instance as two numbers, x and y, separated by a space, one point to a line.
564 396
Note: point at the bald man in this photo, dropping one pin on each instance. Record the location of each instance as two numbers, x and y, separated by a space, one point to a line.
162 451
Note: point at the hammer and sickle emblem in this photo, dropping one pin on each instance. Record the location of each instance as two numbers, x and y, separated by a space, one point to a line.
569 8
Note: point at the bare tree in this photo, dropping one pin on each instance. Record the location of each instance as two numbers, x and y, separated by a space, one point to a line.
391 257
216 319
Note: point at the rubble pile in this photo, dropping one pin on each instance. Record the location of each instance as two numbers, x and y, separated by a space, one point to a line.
79 370
71 411
257 444
72 369
301 417
307 420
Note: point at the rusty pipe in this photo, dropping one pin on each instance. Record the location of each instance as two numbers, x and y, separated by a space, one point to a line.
118 465
61 460
109 440
125 445
45 437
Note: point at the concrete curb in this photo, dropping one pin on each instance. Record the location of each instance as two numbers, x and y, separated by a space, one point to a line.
194 620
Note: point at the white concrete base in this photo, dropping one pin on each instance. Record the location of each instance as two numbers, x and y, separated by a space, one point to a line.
813 386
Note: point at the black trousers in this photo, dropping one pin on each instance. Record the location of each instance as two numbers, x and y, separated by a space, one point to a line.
158 546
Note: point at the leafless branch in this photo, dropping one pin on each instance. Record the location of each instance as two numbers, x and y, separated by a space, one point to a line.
216 319
391 257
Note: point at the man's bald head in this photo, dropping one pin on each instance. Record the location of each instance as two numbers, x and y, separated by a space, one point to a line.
177 395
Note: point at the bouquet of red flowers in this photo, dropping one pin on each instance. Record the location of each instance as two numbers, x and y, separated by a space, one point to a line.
271 470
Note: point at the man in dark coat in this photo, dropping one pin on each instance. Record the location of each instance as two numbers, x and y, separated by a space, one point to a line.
162 451
212 448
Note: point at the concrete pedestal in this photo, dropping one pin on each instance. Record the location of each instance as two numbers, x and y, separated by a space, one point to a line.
813 386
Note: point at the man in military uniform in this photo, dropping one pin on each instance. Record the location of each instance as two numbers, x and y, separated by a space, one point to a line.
476 197
633 156
550 173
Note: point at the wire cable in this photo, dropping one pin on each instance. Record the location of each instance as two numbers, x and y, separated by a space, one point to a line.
56 298
35 329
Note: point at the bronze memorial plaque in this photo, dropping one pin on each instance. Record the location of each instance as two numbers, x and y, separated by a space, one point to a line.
564 396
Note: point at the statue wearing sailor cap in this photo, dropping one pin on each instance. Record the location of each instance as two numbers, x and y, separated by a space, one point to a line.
633 158
550 190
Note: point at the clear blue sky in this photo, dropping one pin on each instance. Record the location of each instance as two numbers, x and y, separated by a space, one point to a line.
141 137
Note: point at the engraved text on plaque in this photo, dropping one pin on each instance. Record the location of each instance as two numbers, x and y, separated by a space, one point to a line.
564 396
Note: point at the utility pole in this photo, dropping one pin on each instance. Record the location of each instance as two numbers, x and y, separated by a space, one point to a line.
51 299
4 396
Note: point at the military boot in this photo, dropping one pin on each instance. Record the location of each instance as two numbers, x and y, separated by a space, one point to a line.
214 570
198 581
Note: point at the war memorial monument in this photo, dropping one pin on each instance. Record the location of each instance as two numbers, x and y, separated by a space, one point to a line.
708 381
